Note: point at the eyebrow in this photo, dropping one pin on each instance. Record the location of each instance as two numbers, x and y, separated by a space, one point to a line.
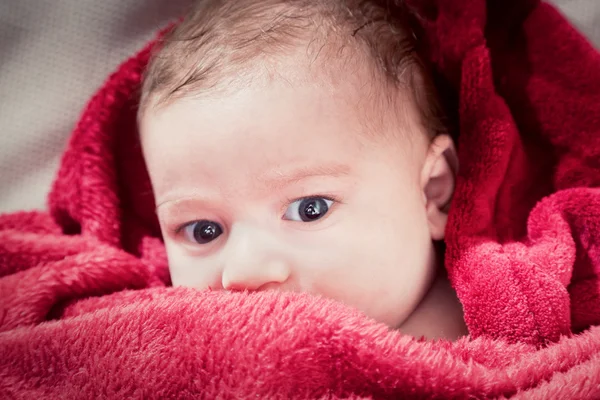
281 177
272 180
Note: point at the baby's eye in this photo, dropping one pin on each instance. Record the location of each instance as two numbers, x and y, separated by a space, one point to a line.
202 232
308 209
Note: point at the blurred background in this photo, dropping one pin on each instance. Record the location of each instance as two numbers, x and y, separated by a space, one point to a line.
54 54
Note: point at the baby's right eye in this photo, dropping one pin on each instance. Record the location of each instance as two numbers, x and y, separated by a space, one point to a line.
202 232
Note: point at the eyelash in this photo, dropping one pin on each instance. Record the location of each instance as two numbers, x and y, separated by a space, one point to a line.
291 200
178 229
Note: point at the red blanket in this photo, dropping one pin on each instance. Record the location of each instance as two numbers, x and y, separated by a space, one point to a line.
86 310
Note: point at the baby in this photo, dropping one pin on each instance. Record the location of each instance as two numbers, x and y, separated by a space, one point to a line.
297 145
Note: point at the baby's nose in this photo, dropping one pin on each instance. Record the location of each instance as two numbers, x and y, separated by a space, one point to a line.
255 277
253 261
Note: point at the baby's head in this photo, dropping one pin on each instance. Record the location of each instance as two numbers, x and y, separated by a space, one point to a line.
297 145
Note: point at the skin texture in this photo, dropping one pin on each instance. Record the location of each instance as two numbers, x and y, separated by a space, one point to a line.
242 158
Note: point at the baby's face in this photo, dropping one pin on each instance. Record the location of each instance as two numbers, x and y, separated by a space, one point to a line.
283 186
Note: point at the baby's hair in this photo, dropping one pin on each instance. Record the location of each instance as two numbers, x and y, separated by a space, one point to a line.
219 40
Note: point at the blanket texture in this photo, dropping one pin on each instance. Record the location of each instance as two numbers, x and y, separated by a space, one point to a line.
86 310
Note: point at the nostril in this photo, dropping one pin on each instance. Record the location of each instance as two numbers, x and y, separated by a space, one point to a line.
238 287
273 285
235 287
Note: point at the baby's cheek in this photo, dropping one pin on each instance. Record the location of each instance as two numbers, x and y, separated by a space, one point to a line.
340 260
192 271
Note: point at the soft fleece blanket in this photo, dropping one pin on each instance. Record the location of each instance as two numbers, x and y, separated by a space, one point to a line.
86 310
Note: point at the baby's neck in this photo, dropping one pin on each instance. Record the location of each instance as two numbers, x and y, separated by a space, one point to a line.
439 315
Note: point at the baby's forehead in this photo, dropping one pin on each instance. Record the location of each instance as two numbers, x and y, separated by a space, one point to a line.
267 126
289 83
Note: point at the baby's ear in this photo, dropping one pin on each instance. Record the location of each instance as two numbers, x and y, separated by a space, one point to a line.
438 179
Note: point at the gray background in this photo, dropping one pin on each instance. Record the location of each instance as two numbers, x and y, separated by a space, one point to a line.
54 54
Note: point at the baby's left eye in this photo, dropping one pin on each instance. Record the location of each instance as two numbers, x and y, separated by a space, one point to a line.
308 209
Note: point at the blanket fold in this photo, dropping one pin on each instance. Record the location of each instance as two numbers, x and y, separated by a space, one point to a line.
87 311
